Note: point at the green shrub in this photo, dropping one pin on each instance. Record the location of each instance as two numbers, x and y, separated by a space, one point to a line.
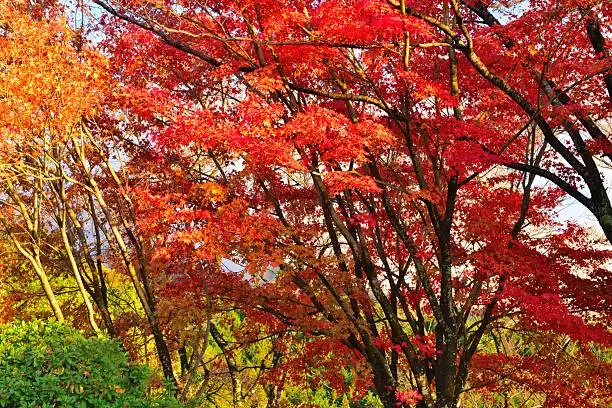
47 364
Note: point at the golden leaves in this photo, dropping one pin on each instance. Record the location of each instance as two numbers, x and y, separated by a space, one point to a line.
47 84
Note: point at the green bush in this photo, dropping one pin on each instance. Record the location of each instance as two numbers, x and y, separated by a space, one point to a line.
47 364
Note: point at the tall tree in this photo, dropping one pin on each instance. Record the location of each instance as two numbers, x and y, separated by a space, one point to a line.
58 180
363 150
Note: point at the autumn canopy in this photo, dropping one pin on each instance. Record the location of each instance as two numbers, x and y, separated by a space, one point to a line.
327 203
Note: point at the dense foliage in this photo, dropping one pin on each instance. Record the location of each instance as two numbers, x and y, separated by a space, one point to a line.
278 203
47 364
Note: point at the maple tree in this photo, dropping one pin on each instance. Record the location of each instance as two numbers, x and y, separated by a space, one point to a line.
383 178
54 168
359 147
40 99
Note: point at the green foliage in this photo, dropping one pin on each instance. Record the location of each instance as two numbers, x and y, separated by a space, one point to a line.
47 364
370 401
324 397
